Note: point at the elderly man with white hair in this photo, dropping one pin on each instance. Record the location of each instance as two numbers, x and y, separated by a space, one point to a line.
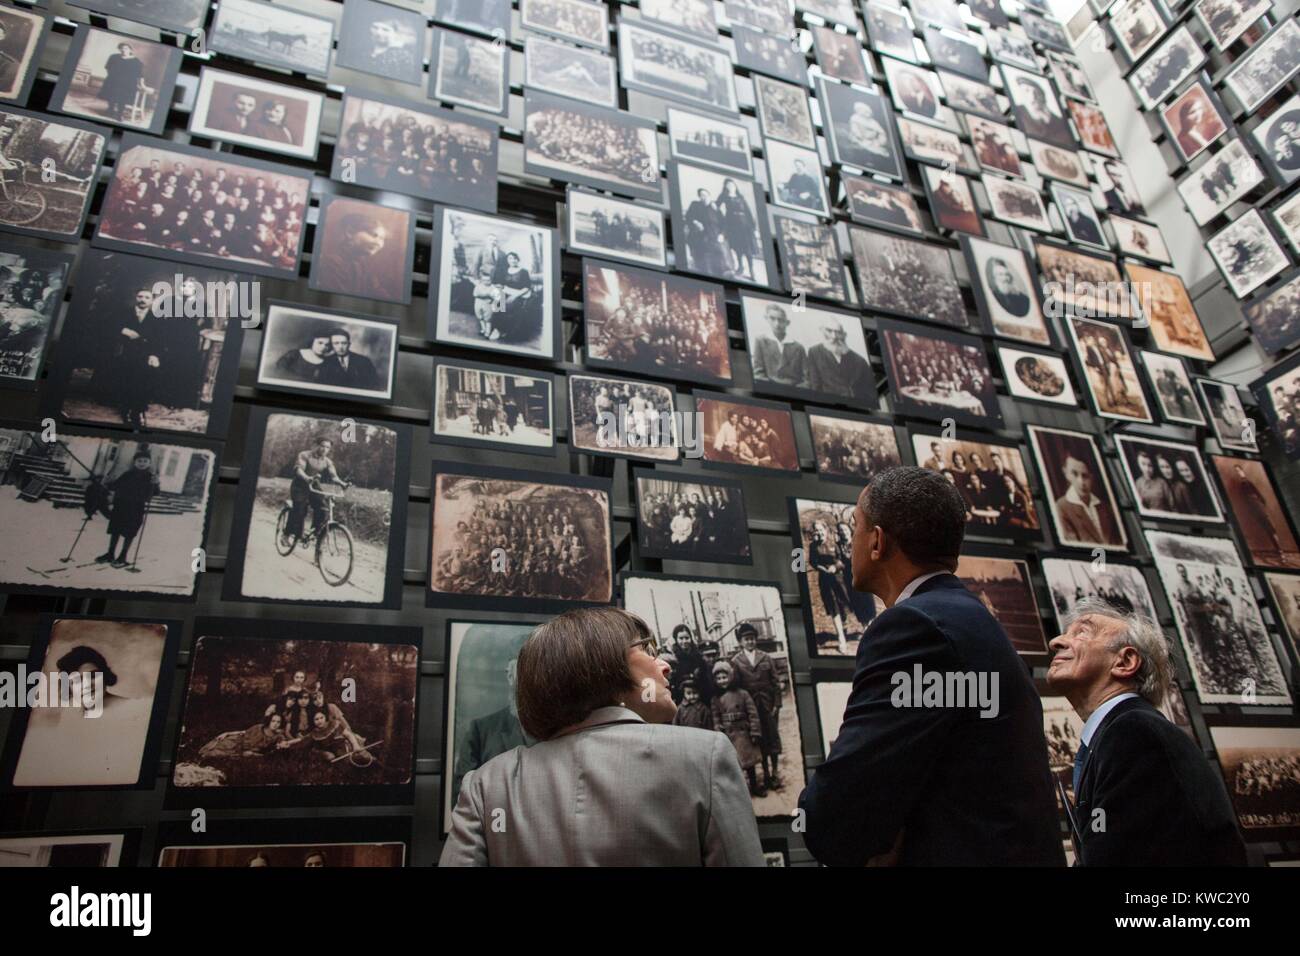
1145 795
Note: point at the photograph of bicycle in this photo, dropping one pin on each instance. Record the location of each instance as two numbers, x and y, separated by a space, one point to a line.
47 173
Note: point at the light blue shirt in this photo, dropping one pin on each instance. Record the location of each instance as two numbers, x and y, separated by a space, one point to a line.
1094 720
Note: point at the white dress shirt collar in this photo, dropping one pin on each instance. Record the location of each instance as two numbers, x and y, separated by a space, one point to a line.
1097 716
915 583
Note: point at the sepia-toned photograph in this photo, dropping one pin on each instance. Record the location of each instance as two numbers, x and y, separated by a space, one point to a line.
1142 240
1260 766
363 249
1044 29
839 55
1278 396
1004 587
970 96
578 21
273 34
1117 187
1258 513
1274 318
233 108
692 17
811 259
382 40
98 515
1168 480
1083 283
836 615
615 229
1006 291
1122 585
709 141
795 178
783 111
821 355
585 75
1037 376
915 90
1286 216
1263 69
890 30
937 374
1177 58
1010 48
1194 120
747 434
860 129
1082 224
1052 162
879 204
940 12
929 144
906 277
1016 203
80 849
490 406
762 53
1094 132
1233 428
994 146
32 283
1285 591
22 37
1137 26
1165 303
699 518
470 71
956 50
733 673
622 417
49 175
992 479
1227 20
952 204
664 64
1172 388
1070 77
720 225
770 16
851 448
1247 253
1036 106
1077 488
1063 730
490 17
1108 369
112 78
308 350
591 146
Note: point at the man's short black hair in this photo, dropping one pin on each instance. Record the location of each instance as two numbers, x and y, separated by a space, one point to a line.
920 510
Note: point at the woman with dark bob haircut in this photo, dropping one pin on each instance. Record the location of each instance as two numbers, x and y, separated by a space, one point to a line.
610 782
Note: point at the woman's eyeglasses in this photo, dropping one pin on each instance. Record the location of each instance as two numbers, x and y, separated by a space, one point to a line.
649 643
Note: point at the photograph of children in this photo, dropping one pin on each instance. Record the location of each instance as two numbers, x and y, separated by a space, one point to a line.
1077 489
663 64
1094 133
1137 25
692 17
321 512
668 326
280 713
1172 388
586 144
178 16
92 514
80 849
616 416
835 614
1004 586
48 170
709 141
578 21
1075 281
233 108
1037 376
691 519
1037 109
1006 291
363 249
1278 395
1175 326
327 353
720 225
421 151
934 374
1233 428
1247 253
149 346
851 448
1062 730
1254 505
770 16
1194 120
993 481
840 56
890 30
491 17
1168 480
1056 163
481 716
1263 69
951 202
796 178
762 53
1218 619
1224 178
908 278
878 204
783 111
832 699
1016 203
1140 239
533 541
811 259
498 284
382 40
194 205
807 353
103 728
1070 581
732 670
956 50
747 434
579 74
22 36
994 146
273 34
1070 77
1106 363
860 129
1260 767
32 282
469 71
112 78
1285 591
615 229
487 406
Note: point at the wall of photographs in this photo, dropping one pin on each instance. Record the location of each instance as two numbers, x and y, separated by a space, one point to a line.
344 342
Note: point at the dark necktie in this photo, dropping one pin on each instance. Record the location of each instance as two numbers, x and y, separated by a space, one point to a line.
1078 768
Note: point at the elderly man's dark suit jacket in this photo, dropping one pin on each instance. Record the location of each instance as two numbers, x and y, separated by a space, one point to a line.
963 789
1164 804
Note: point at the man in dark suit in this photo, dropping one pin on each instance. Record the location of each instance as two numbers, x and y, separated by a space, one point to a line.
346 368
1145 795
933 778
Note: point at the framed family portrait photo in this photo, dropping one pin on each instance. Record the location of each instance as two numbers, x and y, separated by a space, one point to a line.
114 78
1037 376
720 225
1177 58
327 353
493 406
1107 367
612 228
938 374
851 448
811 353
1194 119
1232 427
1266 67
1251 499
991 477
1142 240
1168 480
836 615
860 129
665 64
234 108
1172 389
747 434
623 418
590 145
691 517
874 203
1274 316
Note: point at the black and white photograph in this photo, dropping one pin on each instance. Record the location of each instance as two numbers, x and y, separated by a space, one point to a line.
578 21
314 843
32 283
907 277
941 12
580 74
280 713
233 108
108 731
1218 619
734 674
915 90
1143 240
523 540
1177 58
1285 591
1037 376
601 225
956 50
1172 388
591 146
185 204
1233 428
747 434
1109 370
992 478
762 53
994 146
710 141
939 375
1167 306
1082 224
836 614
1016 203
830 11
1117 187
1226 20
492 406
1044 29
490 17
1263 69
321 513
1277 393
860 129
1005 588
971 97
1277 141
418 150
470 71
94 514
1094 131
1037 108
113 78
363 249
178 16
49 173
382 40
952 204
811 259
1265 527
1168 480
1012 49
929 144
692 17
990 11
1006 291
1247 253
795 177
1195 119
668 326
22 37
720 225
1286 216
1137 26
832 700
1274 317
1070 78
770 16
1052 162
695 518
840 56
851 448
1122 585
1083 283
1077 488
664 64
273 34
874 203
624 418
890 30
807 353
309 350
783 111
148 346
79 849
498 284
1259 767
